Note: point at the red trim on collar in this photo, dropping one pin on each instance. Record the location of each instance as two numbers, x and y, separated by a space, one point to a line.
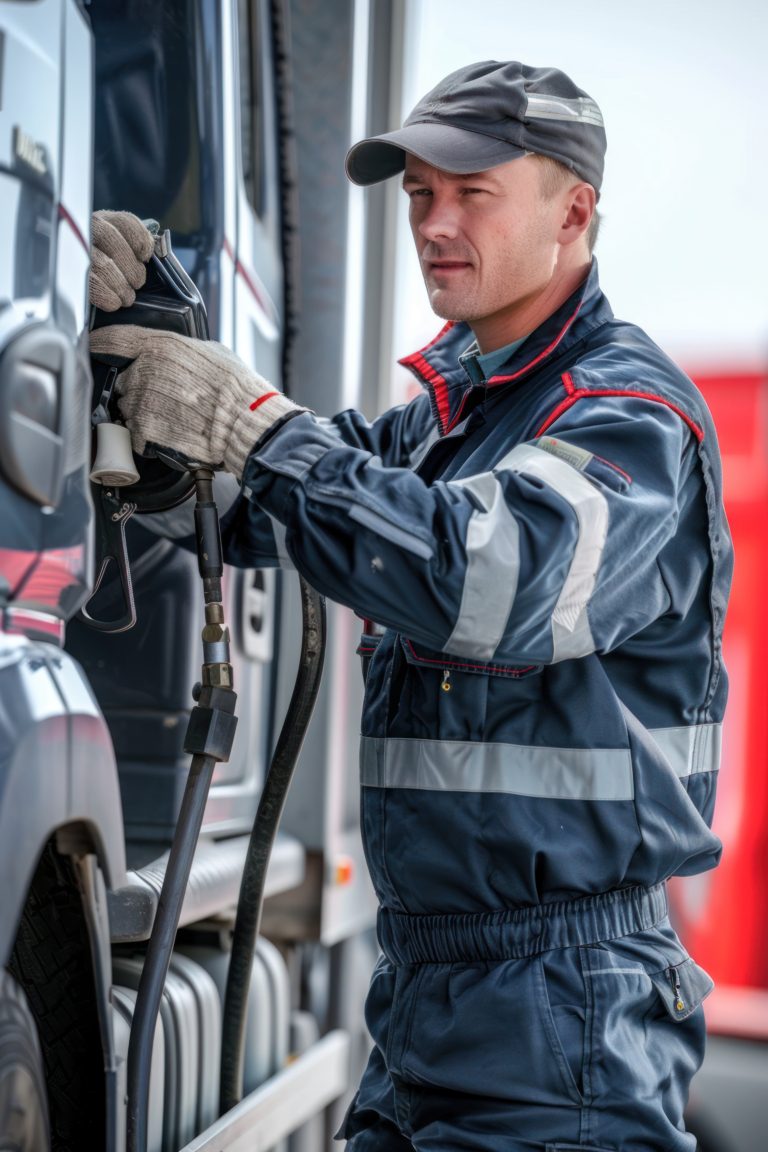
541 356
575 394
437 383
417 363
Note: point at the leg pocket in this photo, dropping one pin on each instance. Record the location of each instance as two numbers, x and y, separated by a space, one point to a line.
565 1011
645 1049
487 1028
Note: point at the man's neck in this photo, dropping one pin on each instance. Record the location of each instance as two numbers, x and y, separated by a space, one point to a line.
504 327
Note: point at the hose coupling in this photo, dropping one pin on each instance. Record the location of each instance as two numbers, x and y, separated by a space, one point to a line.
217 669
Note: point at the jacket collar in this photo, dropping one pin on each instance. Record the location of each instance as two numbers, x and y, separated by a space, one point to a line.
439 370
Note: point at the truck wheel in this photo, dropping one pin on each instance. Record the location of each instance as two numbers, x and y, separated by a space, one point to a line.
23 1103
51 961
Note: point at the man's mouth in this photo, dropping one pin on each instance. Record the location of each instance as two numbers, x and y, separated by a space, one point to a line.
447 266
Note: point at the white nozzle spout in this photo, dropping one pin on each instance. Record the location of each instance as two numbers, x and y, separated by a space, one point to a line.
114 463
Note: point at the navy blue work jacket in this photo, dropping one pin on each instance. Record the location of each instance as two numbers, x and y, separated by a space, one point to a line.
549 556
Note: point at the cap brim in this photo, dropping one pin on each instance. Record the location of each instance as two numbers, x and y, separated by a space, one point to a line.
441 145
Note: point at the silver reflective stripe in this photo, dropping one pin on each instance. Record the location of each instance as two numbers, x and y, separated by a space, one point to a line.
691 749
579 109
278 531
490 579
518 770
571 634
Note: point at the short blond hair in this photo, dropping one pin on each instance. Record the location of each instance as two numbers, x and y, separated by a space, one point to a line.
554 176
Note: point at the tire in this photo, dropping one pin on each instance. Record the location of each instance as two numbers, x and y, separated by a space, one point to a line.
51 961
23 1102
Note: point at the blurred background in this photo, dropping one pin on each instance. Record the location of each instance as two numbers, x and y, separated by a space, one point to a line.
683 88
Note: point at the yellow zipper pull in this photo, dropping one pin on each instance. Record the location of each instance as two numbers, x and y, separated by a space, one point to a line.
675 979
446 684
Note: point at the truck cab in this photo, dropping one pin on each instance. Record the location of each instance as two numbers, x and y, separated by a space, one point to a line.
189 113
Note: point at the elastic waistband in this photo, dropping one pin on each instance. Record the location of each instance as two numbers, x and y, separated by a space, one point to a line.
512 935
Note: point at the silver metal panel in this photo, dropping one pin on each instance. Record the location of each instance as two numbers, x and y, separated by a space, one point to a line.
29 135
183 1051
261 1060
279 998
284 1103
124 1002
208 1009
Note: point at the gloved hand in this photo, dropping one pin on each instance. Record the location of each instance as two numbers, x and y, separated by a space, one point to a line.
194 396
120 248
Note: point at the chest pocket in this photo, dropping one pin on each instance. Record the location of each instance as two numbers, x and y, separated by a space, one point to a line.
448 697
448 665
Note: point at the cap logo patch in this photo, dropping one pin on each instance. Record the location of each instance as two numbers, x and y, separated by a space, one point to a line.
579 109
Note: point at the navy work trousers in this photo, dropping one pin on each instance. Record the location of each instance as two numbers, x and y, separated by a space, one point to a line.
573 1025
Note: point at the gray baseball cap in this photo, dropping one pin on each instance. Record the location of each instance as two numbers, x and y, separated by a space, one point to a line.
486 114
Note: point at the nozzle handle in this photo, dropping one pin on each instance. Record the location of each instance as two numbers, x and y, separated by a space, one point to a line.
112 514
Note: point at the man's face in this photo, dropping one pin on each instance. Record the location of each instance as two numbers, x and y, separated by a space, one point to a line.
487 244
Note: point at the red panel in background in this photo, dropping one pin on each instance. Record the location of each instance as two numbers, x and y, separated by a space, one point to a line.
722 915
41 578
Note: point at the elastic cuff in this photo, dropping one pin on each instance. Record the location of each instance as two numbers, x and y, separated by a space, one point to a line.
251 425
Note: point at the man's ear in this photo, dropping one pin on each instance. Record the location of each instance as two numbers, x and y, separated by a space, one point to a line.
578 211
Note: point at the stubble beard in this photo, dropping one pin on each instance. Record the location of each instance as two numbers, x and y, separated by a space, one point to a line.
449 303
454 304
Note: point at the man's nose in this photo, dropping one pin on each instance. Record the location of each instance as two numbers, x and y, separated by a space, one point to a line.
440 221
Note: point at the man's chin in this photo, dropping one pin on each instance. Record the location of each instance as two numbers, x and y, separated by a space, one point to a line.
447 309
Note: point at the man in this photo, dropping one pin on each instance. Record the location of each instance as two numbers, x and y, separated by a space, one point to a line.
541 533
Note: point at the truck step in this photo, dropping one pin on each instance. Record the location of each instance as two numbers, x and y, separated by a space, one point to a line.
214 884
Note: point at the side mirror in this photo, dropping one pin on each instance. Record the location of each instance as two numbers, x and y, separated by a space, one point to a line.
37 370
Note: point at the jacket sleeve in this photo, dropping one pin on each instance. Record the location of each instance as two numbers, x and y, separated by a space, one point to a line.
253 538
554 552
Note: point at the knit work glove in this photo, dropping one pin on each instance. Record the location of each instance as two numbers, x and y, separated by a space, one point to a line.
120 248
193 396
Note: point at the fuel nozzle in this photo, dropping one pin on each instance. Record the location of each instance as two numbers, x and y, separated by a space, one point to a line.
217 669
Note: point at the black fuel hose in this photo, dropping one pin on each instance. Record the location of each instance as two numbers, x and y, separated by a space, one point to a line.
274 792
209 738
160 947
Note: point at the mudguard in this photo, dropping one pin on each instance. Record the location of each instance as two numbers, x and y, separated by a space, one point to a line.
57 768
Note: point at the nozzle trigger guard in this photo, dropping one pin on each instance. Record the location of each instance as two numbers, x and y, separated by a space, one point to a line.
112 514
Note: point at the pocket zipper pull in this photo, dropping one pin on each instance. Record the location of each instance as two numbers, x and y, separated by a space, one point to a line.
674 977
446 684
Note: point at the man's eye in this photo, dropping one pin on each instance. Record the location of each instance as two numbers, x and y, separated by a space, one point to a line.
418 192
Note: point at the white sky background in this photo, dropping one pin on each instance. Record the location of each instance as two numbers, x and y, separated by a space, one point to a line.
683 87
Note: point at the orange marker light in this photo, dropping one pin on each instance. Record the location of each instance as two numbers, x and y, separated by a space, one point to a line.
343 870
